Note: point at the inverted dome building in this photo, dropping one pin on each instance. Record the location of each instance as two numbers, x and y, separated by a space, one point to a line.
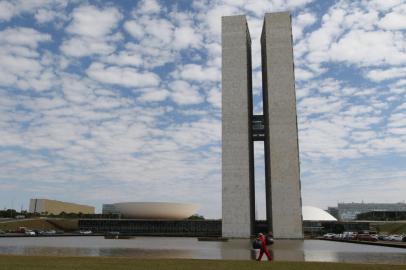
152 210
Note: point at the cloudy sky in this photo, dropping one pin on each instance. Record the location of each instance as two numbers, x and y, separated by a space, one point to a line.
108 101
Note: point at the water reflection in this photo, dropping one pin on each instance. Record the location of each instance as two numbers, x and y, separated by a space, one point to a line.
317 250
288 250
361 257
237 248
177 247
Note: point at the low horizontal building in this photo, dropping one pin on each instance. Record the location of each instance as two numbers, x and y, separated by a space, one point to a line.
383 216
144 227
349 211
45 206
145 219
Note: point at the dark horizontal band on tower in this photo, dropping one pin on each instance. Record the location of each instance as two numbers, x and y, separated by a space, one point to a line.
258 128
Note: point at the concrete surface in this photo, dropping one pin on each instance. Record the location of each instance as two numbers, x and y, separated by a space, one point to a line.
237 147
281 142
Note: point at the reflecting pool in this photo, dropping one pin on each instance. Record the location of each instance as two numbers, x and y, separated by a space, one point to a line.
191 248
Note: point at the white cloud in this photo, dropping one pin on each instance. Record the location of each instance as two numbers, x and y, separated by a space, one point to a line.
306 19
159 40
349 35
333 126
400 83
76 90
154 40
21 64
134 29
45 15
369 182
94 22
124 58
302 74
320 105
196 134
92 30
11 8
127 77
154 95
300 22
157 31
148 7
186 37
151 56
378 75
195 72
214 97
79 47
395 20
6 10
209 17
384 5
56 16
184 94
23 36
369 48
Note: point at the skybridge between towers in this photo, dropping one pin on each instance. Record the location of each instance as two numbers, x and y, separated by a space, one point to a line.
276 127
258 128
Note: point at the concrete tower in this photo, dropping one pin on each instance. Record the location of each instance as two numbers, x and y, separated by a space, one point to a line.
237 155
284 211
277 127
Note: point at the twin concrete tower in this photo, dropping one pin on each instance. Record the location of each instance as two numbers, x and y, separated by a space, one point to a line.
277 127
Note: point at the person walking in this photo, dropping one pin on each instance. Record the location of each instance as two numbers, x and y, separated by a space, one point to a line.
264 248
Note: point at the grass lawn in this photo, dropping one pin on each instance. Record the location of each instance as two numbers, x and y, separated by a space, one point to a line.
9 262
67 224
391 228
34 224
41 224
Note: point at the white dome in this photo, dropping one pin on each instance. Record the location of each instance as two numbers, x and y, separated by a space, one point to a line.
311 213
156 210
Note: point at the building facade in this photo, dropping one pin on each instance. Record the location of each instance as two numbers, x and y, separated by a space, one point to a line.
45 206
277 127
109 209
383 216
151 210
190 228
349 211
333 211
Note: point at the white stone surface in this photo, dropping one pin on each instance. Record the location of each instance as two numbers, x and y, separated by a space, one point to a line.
156 210
237 152
311 213
282 150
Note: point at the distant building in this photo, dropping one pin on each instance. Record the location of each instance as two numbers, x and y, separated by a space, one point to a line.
349 211
333 211
45 206
383 215
315 219
151 210
108 209
311 213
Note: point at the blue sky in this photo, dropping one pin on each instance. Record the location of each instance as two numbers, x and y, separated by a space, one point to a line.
109 101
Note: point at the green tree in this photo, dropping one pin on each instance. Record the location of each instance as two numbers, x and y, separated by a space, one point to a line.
196 217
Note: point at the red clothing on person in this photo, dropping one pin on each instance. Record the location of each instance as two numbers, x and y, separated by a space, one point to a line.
264 248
